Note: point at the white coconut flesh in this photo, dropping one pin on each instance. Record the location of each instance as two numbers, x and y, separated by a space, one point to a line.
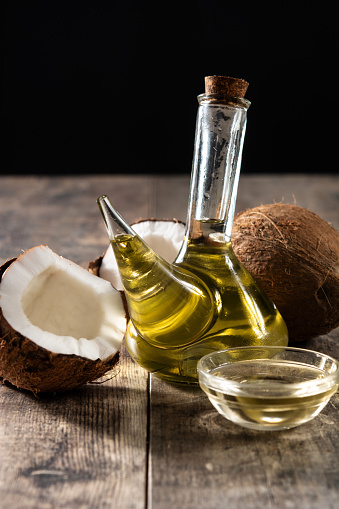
163 236
62 307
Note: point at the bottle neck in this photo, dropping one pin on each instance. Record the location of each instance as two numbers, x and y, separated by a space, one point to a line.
219 137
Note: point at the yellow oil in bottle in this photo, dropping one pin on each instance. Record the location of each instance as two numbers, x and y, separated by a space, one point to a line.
243 314
169 307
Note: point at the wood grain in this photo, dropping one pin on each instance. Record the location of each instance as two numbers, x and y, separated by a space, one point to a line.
82 449
62 212
135 442
199 459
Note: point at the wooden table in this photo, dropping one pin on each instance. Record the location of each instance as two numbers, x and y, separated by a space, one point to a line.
134 441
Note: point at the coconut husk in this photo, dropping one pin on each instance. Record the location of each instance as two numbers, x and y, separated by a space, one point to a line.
293 254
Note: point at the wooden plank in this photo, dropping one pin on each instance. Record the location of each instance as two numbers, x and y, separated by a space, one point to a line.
88 448
199 459
171 197
82 449
318 193
85 448
62 212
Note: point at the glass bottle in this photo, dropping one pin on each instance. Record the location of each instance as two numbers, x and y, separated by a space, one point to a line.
230 309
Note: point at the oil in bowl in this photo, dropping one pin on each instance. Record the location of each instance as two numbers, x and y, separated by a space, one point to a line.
268 388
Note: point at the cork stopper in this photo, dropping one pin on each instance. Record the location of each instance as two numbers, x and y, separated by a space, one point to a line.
225 85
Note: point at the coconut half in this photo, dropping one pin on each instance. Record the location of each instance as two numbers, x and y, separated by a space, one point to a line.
164 236
60 325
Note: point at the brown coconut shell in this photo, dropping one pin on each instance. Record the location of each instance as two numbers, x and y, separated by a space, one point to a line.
29 366
94 266
294 256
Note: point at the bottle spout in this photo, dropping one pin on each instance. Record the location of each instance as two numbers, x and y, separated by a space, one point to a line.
114 222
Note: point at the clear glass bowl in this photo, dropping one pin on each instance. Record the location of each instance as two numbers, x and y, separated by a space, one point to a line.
268 387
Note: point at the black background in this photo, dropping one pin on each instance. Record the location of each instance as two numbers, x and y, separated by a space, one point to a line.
110 87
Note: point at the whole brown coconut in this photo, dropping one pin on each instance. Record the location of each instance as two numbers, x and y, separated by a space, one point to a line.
294 255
